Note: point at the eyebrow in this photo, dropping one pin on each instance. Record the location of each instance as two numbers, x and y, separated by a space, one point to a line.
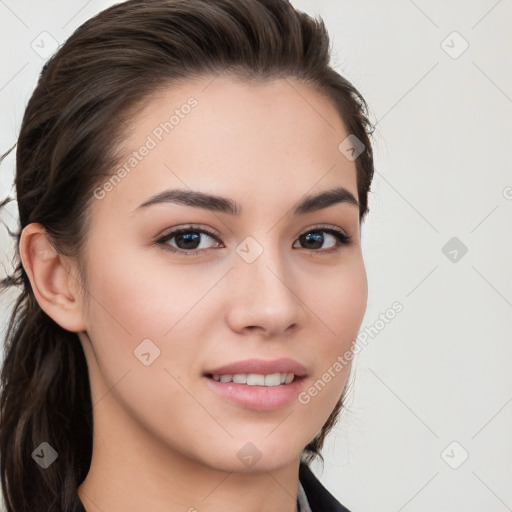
308 204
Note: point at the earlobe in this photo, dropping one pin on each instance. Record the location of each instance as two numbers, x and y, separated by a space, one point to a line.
52 283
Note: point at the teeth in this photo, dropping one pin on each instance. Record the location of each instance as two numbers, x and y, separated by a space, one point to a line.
256 379
273 380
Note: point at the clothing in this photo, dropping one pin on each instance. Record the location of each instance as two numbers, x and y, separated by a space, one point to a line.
302 500
319 498
312 496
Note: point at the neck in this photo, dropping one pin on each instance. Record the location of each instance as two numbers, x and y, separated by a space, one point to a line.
132 471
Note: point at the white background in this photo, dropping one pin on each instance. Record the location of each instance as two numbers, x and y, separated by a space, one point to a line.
439 371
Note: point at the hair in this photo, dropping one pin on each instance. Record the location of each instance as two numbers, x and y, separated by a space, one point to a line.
72 129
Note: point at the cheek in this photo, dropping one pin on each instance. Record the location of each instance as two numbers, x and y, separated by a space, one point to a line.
130 303
339 303
140 307
141 298
338 306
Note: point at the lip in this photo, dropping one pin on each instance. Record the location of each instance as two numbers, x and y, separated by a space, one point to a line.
259 398
261 366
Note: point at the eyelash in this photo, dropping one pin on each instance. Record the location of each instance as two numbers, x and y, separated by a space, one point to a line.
342 239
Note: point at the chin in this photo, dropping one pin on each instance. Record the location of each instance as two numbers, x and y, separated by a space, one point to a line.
260 456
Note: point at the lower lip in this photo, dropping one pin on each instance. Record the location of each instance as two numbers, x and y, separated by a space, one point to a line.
259 398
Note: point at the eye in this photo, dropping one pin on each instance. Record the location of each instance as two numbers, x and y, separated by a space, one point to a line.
316 238
188 240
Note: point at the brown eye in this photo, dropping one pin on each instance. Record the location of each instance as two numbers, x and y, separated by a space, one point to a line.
187 240
315 238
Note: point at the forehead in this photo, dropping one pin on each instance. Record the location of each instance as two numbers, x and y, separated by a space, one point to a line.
245 139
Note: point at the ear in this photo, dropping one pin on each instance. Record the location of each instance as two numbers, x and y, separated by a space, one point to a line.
53 283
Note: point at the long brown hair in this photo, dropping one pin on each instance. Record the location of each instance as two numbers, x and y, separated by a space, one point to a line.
77 115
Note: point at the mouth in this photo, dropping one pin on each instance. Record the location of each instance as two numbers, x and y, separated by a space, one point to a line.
257 384
256 391
255 379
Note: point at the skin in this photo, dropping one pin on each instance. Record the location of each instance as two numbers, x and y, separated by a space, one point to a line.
266 146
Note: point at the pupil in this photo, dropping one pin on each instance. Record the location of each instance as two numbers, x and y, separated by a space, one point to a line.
188 238
318 238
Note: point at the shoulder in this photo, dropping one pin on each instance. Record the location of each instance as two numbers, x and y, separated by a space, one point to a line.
319 498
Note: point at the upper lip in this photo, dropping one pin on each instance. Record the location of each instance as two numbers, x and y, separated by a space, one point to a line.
261 366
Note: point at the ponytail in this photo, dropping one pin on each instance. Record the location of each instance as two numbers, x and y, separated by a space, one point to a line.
45 407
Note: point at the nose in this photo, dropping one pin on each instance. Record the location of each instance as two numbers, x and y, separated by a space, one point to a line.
265 297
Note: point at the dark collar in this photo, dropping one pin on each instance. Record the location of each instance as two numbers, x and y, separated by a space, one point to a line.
319 498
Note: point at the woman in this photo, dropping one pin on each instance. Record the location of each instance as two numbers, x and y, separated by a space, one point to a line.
191 179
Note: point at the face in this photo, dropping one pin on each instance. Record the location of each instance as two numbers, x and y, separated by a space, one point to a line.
248 280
